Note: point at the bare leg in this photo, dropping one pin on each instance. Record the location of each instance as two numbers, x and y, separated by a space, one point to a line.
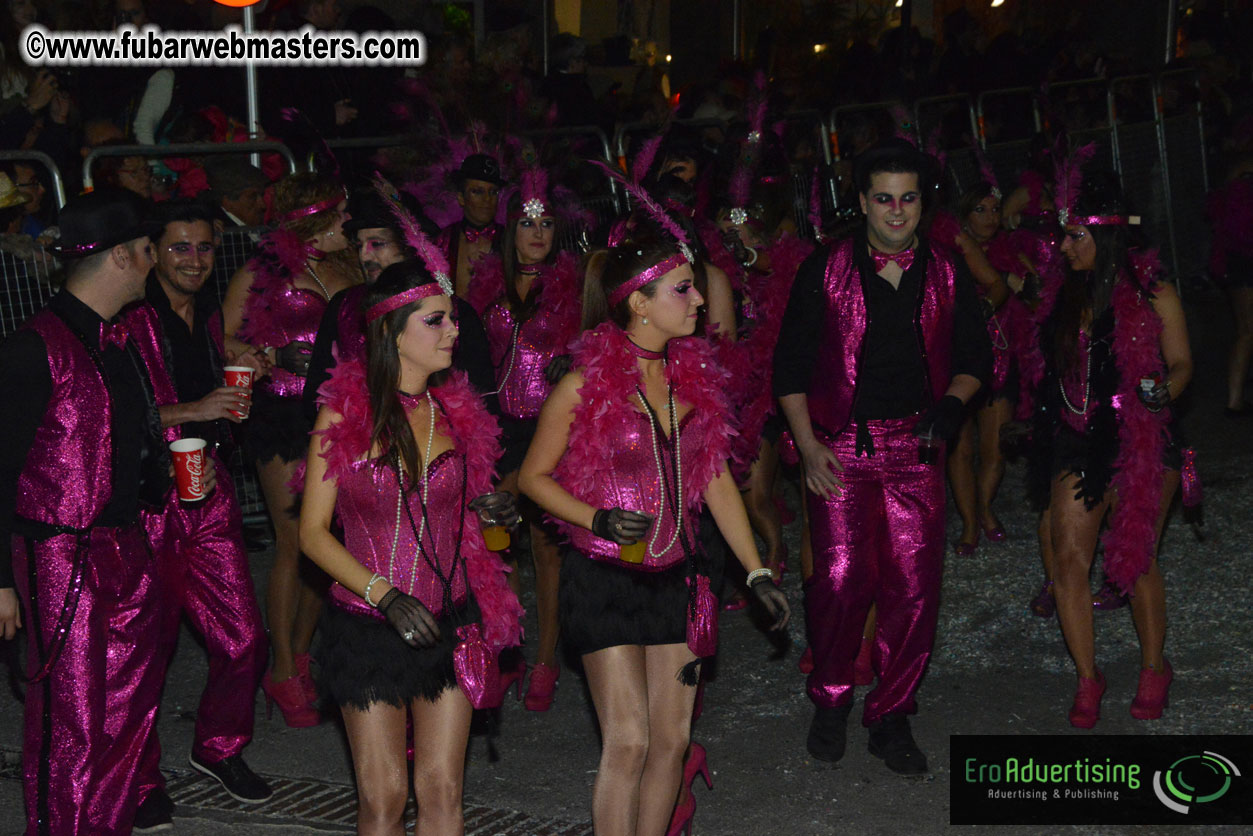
617 679
440 732
1045 535
1074 531
547 559
283 592
961 475
509 482
670 705
991 462
377 740
1148 602
1242 345
763 514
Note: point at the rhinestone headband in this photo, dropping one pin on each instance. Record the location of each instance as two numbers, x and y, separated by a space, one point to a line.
658 270
439 287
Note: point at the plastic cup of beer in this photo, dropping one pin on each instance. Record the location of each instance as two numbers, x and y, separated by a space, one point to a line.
240 376
495 535
632 552
188 454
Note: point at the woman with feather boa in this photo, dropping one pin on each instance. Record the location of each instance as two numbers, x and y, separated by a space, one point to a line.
403 455
629 446
1115 353
530 302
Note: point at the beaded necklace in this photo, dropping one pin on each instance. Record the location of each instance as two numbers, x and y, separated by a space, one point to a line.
426 486
675 502
1087 385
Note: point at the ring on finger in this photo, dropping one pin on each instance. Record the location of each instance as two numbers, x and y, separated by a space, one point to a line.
407 635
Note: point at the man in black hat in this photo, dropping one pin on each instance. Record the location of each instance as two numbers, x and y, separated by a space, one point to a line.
882 345
478 183
380 244
82 454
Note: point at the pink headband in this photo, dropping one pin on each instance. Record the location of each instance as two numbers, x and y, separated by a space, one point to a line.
403 298
634 283
306 211
1105 220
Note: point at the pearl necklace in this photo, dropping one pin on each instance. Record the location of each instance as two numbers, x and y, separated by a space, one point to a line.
400 498
661 478
325 292
1087 387
513 352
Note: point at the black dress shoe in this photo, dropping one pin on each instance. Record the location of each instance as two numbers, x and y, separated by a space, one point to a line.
240 782
155 813
828 732
892 740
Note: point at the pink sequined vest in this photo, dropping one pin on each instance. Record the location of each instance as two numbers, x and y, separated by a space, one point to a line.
833 387
67 478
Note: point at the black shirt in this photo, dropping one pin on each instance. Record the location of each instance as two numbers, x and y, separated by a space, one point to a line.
472 354
191 355
892 377
26 382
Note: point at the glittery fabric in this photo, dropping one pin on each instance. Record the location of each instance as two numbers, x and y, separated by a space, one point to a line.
88 722
277 313
880 542
832 391
67 476
630 480
366 506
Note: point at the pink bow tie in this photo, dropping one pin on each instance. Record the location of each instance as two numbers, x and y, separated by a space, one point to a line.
903 259
113 334
488 232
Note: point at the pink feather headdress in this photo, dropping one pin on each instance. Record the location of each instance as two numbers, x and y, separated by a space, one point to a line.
432 256
739 190
1068 177
649 205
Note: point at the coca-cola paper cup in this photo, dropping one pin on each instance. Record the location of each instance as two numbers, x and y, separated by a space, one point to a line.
240 376
189 468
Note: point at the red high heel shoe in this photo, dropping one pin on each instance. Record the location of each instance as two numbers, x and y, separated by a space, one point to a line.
1153 692
995 533
303 661
863 671
697 763
290 696
966 549
806 663
1043 603
681 820
1087 707
539 691
513 677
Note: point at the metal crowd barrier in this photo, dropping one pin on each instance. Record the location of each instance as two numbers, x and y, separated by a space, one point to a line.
58 183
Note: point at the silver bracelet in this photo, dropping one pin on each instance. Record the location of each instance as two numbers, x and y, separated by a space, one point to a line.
375 578
763 572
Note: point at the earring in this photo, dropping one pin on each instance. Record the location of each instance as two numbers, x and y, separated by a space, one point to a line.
645 320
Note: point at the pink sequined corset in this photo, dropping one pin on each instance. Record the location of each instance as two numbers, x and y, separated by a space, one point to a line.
366 504
520 362
282 315
1075 389
630 480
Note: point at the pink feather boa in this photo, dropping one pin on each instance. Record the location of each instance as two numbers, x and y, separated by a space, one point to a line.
560 296
719 255
1048 263
605 413
751 360
464 419
282 254
1131 540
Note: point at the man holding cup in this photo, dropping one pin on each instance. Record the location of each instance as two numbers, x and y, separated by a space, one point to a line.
81 455
198 539
882 345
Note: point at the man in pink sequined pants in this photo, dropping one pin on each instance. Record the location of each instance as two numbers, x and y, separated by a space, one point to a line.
881 346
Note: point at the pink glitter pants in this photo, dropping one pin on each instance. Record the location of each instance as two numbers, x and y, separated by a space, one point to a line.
881 541
204 568
88 721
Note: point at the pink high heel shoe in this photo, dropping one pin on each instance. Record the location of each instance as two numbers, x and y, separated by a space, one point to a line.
1152 693
697 763
303 662
539 691
513 677
966 549
681 821
1087 707
806 663
290 696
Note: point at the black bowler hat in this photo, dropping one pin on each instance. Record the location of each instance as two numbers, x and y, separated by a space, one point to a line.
94 222
480 167
367 210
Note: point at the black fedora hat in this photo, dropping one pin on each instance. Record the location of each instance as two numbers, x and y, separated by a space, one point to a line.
94 222
480 167
367 210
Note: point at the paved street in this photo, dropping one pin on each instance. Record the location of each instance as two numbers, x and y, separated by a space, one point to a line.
996 670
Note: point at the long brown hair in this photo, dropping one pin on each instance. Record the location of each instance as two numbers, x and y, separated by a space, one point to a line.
296 191
391 434
523 309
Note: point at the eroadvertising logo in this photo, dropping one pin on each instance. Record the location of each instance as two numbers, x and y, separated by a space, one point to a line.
1101 779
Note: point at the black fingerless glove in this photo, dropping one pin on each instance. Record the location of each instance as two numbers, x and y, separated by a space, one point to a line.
410 618
498 508
943 419
622 527
294 357
557 368
773 599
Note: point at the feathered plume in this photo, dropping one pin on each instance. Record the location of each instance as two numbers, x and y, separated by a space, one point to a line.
431 255
534 188
645 200
1068 173
645 157
739 190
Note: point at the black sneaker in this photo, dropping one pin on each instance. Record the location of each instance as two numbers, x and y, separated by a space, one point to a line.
240 782
892 740
155 813
828 732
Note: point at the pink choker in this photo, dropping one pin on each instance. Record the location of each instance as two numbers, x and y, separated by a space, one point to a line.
643 353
